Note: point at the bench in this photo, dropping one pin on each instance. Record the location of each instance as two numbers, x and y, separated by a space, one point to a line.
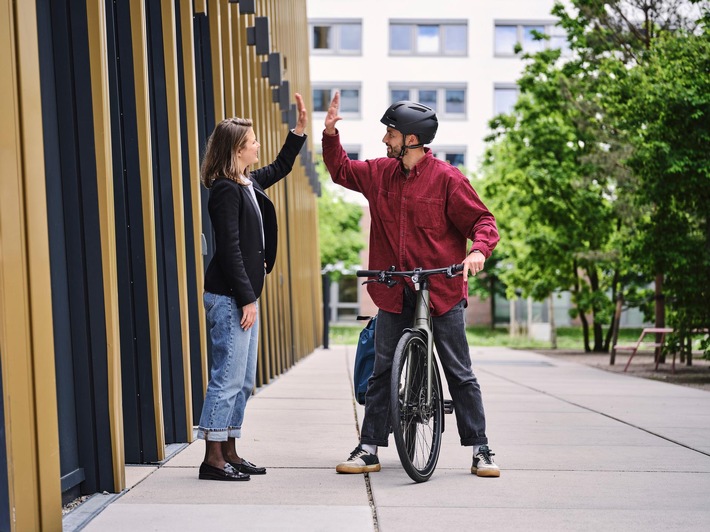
647 345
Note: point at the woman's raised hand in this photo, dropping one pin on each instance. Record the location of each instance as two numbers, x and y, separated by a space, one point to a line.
302 120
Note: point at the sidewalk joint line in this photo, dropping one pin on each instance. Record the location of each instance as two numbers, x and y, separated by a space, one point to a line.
597 412
368 485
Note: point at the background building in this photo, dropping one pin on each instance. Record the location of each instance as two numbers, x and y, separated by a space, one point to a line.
457 57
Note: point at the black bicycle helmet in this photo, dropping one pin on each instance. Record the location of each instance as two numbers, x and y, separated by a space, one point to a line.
412 118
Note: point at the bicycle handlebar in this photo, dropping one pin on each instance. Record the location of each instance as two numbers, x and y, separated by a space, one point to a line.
416 274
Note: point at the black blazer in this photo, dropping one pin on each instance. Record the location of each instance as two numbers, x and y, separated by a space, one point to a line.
237 267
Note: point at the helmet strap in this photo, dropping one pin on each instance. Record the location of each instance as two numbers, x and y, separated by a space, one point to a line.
404 149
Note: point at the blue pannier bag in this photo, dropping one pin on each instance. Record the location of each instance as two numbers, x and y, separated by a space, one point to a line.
364 360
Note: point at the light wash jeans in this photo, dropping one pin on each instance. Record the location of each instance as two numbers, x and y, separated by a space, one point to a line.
233 370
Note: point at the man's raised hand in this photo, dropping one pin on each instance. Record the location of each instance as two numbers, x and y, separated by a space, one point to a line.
332 117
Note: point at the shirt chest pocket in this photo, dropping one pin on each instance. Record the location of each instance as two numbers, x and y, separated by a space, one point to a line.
387 205
427 213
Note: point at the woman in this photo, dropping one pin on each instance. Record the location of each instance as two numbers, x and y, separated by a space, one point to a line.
244 223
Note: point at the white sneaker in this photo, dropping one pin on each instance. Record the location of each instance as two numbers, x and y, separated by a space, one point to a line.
483 464
360 461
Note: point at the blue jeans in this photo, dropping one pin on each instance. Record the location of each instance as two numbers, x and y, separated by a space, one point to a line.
233 371
452 348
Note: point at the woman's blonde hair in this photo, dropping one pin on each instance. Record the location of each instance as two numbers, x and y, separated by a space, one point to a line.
220 159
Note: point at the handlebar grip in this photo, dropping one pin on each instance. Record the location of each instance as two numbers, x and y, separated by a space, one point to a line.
457 268
367 273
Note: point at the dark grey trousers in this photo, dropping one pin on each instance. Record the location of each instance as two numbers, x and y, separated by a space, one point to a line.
452 348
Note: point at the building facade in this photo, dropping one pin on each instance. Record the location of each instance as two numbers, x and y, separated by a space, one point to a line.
104 233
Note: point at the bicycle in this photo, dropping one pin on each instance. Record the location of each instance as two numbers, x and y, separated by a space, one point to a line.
417 404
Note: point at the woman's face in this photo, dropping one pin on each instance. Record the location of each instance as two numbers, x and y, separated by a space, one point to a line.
249 154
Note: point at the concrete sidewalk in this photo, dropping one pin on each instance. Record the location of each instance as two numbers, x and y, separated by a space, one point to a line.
579 449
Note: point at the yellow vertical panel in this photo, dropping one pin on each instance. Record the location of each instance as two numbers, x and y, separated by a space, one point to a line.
238 37
139 46
227 56
190 88
200 7
213 17
41 319
246 73
107 224
26 349
173 104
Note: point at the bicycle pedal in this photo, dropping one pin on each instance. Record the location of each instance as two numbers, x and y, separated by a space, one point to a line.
448 406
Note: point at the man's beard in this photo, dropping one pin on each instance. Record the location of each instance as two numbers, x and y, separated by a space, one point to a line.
394 154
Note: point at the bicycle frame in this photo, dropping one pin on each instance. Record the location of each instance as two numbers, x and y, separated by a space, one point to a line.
422 314
424 323
417 409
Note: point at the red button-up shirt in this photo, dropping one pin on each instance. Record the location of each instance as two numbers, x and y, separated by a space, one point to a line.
419 220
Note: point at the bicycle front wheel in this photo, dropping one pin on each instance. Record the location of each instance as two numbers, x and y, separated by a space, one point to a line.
416 423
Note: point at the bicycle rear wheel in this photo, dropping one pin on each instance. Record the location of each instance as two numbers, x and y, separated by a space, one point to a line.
416 425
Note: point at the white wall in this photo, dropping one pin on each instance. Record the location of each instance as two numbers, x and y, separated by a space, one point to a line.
375 68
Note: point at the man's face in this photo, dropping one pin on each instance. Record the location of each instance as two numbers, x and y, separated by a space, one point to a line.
393 139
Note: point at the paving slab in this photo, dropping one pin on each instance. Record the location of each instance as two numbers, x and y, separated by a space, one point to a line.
236 516
579 448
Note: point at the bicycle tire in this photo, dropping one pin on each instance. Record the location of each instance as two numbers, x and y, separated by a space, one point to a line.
417 428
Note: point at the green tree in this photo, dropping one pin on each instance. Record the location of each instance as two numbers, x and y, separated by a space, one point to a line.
339 228
614 42
668 117
552 203
568 202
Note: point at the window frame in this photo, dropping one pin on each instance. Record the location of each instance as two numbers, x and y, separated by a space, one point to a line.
440 89
336 26
547 25
503 86
441 151
334 86
414 33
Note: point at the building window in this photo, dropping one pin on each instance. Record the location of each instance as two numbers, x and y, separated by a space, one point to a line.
344 305
456 156
349 99
410 38
504 97
353 152
510 34
448 102
338 38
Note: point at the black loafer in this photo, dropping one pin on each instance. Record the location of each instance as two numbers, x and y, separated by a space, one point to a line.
248 468
229 473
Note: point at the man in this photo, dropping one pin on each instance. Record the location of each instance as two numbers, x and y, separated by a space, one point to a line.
422 211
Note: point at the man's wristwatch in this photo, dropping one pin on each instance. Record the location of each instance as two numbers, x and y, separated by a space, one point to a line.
476 251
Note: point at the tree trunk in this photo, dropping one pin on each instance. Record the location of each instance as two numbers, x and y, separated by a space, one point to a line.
613 332
513 319
492 295
660 315
553 329
615 327
582 316
596 326
585 330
